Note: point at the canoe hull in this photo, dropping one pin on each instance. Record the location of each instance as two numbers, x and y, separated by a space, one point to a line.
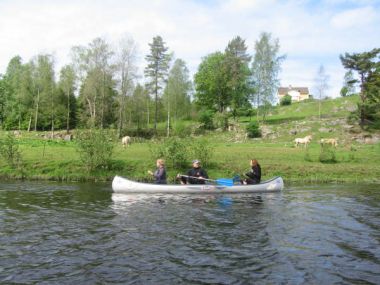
123 185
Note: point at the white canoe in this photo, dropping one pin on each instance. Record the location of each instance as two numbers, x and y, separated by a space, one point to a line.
123 185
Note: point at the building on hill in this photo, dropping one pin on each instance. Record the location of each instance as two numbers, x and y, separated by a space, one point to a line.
297 93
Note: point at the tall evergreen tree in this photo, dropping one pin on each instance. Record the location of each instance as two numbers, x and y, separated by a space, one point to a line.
367 66
237 69
157 70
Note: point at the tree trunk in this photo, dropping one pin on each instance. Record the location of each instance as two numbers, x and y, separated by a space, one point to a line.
37 106
68 112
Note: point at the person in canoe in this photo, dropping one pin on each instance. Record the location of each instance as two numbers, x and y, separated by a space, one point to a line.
195 175
160 173
254 174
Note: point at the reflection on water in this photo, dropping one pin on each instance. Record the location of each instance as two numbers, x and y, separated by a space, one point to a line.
84 234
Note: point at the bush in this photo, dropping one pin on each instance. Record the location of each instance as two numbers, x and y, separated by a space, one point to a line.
202 150
206 118
253 130
95 149
286 100
142 133
220 120
327 154
9 150
175 152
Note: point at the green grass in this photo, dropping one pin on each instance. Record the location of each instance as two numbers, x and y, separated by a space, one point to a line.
59 160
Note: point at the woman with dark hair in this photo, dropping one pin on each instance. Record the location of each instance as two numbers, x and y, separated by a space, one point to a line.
254 175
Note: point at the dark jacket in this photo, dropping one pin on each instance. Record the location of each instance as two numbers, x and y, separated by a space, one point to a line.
254 175
196 172
160 175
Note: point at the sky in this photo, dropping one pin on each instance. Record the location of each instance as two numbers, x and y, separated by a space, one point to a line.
311 33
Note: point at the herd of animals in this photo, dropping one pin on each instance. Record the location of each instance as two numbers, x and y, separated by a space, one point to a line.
306 140
126 141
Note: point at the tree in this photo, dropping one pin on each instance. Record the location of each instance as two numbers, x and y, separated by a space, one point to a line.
211 83
236 67
44 91
126 75
157 69
96 95
349 84
67 85
321 86
367 66
176 95
265 68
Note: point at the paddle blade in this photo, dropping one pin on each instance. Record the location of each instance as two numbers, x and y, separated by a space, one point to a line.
225 181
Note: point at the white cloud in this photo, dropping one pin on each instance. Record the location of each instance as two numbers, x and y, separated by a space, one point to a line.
354 18
310 36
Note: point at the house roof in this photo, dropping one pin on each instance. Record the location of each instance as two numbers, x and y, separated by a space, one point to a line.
285 90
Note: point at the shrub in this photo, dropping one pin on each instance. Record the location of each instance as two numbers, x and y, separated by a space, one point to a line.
206 118
286 100
173 150
220 120
253 130
327 154
9 150
95 149
307 156
202 150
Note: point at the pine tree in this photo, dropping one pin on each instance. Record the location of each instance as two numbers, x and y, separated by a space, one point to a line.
157 70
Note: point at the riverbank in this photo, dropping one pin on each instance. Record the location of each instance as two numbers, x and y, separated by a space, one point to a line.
59 160
356 157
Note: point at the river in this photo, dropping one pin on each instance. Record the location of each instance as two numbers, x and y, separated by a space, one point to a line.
54 233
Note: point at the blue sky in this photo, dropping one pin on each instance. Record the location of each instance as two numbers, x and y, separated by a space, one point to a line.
311 33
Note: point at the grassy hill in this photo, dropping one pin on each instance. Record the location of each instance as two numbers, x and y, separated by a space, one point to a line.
357 155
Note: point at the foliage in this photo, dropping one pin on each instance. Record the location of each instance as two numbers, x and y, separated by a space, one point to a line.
265 68
140 132
210 83
175 152
10 151
367 66
253 130
327 154
206 118
286 100
220 120
202 150
156 70
348 88
95 149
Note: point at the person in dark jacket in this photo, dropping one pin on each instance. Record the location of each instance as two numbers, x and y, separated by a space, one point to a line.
160 173
254 175
197 172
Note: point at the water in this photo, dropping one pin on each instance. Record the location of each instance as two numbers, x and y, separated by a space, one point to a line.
83 234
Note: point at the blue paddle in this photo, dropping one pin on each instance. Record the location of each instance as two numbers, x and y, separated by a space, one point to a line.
219 181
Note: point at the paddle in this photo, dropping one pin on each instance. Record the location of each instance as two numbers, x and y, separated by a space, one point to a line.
220 181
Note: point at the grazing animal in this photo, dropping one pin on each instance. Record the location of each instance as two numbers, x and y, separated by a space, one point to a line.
305 141
333 142
126 141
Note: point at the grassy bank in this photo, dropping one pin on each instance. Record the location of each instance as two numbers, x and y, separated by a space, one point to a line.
59 160
355 160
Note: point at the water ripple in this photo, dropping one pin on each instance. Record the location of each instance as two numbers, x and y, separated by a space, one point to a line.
83 234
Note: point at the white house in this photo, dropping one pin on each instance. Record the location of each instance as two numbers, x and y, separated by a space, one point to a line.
297 93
